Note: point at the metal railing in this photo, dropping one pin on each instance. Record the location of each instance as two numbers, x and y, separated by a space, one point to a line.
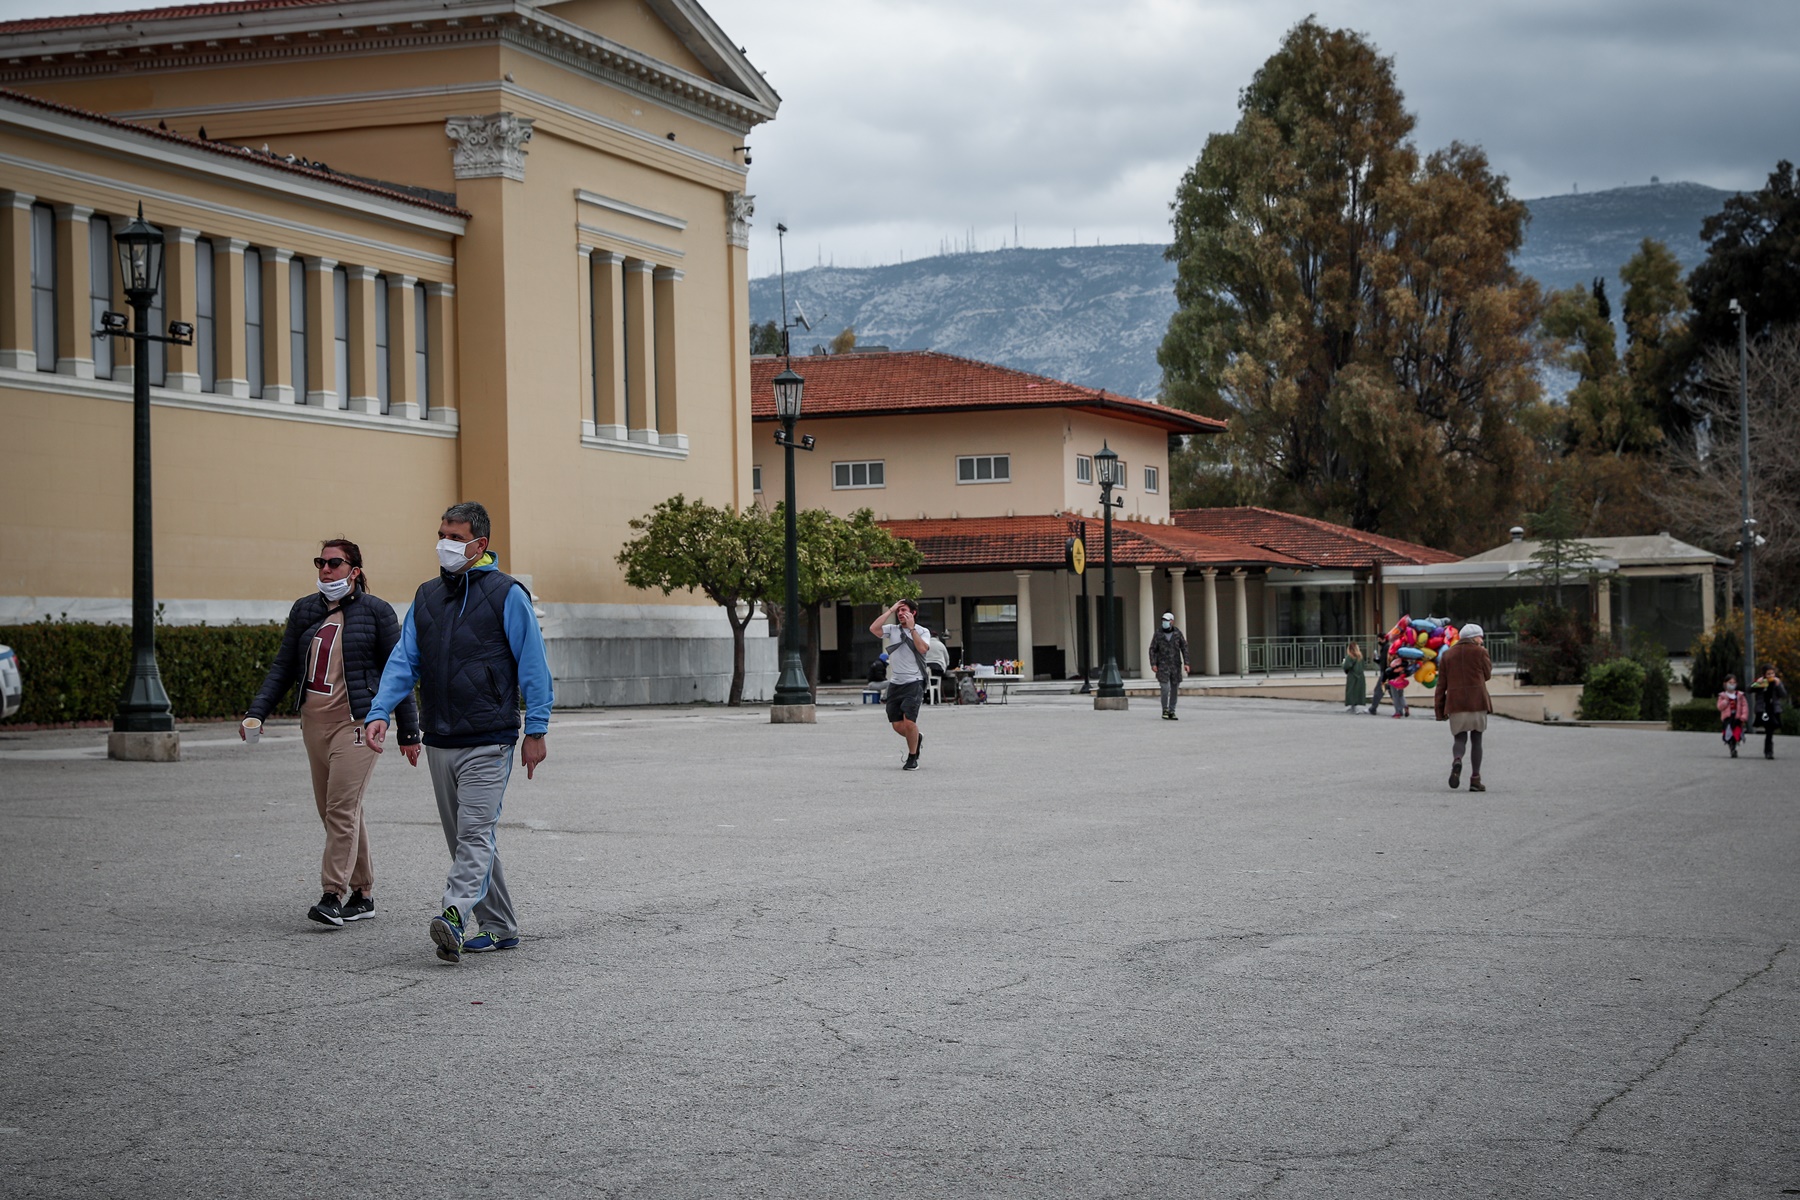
1325 655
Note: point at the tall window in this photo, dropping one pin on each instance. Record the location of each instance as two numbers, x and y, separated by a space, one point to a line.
422 355
1152 479
984 468
381 340
100 273
756 477
253 321
43 285
205 336
158 352
298 333
340 307
1084 468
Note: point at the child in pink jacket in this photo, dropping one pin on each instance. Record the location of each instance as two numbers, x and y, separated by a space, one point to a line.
1734 712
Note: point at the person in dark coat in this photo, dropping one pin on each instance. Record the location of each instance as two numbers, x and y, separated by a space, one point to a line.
337 641
1771 697
1462 699
1169 659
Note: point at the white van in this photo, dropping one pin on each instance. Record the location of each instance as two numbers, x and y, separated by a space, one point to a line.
12 686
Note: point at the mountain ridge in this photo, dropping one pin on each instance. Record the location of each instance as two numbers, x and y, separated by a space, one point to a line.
1095 315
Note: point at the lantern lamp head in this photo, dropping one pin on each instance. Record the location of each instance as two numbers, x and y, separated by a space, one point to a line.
1107 462
788 386
140 259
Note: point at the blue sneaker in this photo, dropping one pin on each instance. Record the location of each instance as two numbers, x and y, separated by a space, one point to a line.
446 931
484 941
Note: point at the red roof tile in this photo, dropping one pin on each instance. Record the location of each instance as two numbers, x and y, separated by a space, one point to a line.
241 154
923 381
1308 539
1018 542
173 13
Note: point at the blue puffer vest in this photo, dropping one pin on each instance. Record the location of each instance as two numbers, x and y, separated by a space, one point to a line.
468 678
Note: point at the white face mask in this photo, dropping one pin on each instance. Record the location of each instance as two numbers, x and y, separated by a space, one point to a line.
336 589
452 556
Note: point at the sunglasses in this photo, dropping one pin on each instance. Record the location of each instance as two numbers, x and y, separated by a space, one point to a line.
333 563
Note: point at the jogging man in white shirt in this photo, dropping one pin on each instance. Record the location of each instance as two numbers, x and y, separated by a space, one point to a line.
906 642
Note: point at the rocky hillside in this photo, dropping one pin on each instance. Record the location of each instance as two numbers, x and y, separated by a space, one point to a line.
1095 315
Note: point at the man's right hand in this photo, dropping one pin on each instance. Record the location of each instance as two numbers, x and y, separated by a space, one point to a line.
375 733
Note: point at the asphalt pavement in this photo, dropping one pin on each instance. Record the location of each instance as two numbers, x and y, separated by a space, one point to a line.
1263 951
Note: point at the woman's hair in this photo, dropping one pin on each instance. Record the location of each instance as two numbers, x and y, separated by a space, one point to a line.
353 553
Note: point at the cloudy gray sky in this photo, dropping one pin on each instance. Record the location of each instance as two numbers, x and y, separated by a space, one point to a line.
908 125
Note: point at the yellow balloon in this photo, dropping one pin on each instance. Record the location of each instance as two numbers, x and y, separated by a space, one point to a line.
1427 673
1430 654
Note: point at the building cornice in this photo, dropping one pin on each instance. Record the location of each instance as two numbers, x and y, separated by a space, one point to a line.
180 43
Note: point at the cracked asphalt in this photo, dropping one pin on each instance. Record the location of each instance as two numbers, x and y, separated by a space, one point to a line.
1261 952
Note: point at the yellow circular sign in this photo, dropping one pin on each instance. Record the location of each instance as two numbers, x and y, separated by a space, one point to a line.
1077 552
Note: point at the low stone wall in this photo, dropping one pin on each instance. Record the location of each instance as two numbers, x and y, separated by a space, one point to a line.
605 655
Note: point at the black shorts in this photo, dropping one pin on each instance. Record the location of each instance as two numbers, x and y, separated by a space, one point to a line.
903 700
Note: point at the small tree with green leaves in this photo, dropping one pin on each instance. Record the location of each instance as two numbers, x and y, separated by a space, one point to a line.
1561 554
734 557
765 338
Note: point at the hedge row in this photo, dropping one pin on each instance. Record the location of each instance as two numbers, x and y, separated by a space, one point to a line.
75 670
1702 716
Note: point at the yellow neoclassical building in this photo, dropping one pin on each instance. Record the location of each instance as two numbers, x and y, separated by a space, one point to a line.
464 249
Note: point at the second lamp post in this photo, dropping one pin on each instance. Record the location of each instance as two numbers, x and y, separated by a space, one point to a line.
1111 694
793 695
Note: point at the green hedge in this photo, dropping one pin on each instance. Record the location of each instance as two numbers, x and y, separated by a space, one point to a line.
1702 716
75 670
1614 691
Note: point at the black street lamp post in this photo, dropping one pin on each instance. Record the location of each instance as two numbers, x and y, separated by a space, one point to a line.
1111 694
144 724
793 695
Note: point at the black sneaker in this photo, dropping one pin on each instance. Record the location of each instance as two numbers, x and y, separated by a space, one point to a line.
446 931
327 911
921 748
1172 715
911 764
358 907
1455 773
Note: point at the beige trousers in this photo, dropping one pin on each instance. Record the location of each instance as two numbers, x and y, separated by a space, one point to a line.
341 766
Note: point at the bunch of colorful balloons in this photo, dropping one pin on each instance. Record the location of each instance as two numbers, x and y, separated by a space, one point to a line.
1415 643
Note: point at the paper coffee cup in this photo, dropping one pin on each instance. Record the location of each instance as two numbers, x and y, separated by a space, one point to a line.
252 729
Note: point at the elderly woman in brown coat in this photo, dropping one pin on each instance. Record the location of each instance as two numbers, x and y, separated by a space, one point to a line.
1462 699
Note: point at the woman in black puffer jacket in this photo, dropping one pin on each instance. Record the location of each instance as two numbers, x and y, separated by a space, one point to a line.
337 642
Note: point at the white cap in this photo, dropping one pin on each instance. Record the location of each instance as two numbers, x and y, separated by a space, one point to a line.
1168 616
1473 630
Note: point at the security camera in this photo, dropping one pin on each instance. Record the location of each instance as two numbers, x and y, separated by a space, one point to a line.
1736 309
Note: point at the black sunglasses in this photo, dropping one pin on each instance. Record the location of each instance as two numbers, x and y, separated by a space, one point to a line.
333 563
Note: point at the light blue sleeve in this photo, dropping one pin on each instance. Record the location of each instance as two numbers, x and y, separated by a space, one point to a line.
400 674
527 642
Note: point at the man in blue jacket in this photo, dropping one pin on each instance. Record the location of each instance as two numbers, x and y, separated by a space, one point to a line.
472 645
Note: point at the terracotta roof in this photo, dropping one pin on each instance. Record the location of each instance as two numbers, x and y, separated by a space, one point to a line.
925 381
173 13
1018 542
1319 543
241 154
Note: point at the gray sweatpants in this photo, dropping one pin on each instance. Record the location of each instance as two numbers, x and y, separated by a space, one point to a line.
1170 682
470 782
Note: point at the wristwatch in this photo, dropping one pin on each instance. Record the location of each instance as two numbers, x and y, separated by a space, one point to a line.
535 735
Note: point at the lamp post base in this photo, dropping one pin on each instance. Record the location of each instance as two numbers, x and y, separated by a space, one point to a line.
1111 703
144 747
793 714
